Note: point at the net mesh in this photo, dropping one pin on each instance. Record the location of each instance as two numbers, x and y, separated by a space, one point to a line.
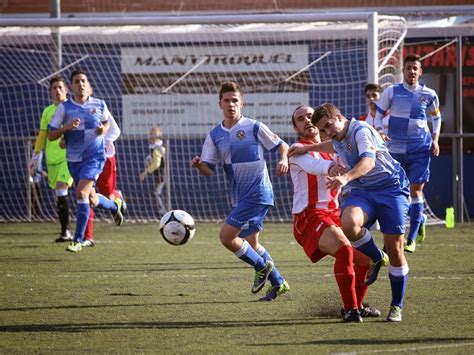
169 76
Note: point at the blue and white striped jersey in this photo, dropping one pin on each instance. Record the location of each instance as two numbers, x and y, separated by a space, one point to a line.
362 140
410 108
240 150
82 143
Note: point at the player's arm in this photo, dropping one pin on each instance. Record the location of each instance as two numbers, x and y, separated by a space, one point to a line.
282 165
201 166
324 147
206 163
56 128
435 116
367 147
382 107
39 145
105 124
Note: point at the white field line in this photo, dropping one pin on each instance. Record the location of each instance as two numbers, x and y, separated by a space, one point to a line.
410 349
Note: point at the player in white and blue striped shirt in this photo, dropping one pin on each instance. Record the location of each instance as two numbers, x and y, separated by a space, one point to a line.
410 141
83 120
238 144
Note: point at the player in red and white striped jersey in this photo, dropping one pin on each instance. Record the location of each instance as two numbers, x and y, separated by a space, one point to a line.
317 218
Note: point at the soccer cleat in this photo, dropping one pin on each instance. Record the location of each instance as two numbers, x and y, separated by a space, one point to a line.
261 276
420 237
374 269
74 247
395 314
88 243
67 237
275 291
410 246
352 315
124 204
368 312
118 216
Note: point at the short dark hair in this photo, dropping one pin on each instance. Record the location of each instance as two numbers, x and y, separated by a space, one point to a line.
55 79
229 86
373 86
77 72
326 109
412 57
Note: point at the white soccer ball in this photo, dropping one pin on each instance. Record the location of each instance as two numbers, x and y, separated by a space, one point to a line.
177 227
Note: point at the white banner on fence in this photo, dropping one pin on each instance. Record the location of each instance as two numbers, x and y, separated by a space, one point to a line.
177 88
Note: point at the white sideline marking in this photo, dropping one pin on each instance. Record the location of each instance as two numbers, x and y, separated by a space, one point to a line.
441 346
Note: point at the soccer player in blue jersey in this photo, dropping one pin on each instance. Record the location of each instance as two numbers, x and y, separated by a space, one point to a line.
83 120
238 143
375 187
409 140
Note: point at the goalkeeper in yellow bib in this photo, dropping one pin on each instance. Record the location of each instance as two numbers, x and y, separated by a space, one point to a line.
59 178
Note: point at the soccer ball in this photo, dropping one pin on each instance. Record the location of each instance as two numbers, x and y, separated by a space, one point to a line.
177 227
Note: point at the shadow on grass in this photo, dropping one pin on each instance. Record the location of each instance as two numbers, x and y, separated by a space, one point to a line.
359 341
88 327
101 306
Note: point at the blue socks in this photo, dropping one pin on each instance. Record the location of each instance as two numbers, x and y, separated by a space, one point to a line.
250 256
82 216
275 277
367 246
398 276
106 203
416 217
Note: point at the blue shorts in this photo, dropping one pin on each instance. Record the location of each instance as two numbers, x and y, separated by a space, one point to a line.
86 170
388 206
416 165
248 217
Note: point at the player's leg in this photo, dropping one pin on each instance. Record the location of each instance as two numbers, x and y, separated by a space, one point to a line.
242 249
392 218
60 180
83 190
398 274
357 211
279 285
418 172
333 242
416 215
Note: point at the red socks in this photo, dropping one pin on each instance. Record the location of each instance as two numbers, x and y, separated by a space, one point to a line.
345 276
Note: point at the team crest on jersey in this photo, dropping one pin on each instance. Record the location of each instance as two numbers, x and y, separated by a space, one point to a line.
93 110
240 134
423 99
349 147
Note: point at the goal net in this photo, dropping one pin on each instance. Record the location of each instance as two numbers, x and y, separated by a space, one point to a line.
168 75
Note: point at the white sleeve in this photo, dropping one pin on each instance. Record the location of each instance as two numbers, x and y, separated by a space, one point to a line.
58 117
209 152
383 105
269 140
106 115
366 143
113 133
311 165
435 115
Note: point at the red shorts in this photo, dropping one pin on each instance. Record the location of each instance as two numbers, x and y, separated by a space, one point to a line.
309 225
107 182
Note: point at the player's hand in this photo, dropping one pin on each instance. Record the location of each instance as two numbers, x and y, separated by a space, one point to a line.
435 148
73 124
100 130
196 161
143 176
62 143
297 149
336 170
384 137
337 182
33 165
282 167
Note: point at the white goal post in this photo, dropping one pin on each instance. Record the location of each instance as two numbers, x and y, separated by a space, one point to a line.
166 71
